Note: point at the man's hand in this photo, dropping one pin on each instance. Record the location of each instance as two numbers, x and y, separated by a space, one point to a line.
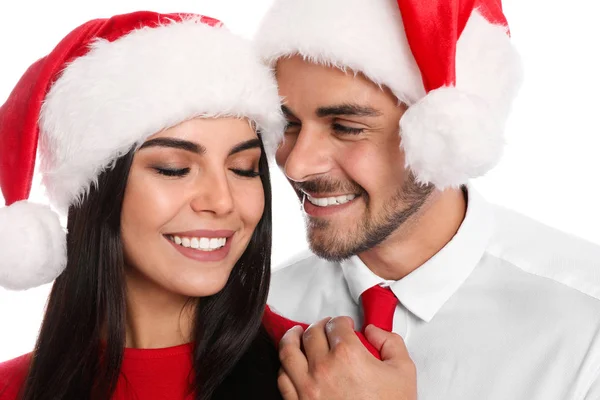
335 364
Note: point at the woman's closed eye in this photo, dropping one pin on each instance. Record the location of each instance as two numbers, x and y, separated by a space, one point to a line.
181 172
246 173
172 172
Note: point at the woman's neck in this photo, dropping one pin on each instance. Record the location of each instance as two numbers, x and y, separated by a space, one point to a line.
156 318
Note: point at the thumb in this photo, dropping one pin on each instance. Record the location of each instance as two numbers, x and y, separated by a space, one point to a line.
390 345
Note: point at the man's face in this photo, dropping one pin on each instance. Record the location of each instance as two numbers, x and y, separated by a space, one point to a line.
341 152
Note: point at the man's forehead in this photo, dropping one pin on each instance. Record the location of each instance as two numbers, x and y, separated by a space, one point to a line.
326 90
298 67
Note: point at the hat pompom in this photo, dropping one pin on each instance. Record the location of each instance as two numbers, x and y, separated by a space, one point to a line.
451 136
33 246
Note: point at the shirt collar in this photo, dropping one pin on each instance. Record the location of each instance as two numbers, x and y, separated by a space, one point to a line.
425 290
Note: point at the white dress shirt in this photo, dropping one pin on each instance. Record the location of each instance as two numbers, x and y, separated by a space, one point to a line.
509 309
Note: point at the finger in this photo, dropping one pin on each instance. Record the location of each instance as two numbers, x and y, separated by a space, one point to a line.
390 345
286 386
293 360
341 330
316 345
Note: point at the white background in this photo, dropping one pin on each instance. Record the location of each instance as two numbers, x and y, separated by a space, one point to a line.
549 172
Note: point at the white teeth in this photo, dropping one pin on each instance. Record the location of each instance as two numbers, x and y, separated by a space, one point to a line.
330 201
205 244
322 202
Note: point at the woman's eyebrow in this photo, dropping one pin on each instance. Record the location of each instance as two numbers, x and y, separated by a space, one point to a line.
175 144
248 144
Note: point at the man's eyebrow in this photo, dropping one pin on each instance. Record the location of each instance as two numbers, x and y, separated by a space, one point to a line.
248 144
175 144
347 109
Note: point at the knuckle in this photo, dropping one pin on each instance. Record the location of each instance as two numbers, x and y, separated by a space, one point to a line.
398 340
286 354
311 390
321 370
412 368
285 341
397 337
282 381
409 367
343 351
286 389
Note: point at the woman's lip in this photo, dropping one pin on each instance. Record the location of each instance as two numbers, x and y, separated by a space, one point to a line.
204 233
203 256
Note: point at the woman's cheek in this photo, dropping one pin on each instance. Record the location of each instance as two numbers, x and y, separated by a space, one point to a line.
251 203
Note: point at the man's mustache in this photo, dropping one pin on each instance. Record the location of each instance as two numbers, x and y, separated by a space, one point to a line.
323 185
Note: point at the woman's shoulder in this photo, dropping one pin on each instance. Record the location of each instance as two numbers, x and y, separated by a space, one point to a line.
12 376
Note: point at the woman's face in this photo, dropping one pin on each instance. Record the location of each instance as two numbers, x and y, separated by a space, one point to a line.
192 201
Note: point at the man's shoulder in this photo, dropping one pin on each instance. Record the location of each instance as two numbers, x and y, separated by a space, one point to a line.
547 252
300 266
302 279
12 376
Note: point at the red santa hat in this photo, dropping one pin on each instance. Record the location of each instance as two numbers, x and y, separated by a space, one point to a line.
105 88
450 61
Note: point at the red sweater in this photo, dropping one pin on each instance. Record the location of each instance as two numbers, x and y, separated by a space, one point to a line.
146 374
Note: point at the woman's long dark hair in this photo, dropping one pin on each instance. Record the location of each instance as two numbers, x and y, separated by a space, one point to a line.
70 360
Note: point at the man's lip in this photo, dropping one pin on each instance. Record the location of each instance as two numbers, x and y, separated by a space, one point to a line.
324 196
204 233
322 212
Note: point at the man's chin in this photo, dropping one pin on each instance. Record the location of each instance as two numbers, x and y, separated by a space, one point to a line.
327 245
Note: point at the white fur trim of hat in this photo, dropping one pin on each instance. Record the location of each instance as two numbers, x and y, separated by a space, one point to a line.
451 62
103 90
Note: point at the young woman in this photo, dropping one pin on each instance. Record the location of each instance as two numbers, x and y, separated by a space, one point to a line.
149 130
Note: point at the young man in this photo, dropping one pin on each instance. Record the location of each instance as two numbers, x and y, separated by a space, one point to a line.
392 107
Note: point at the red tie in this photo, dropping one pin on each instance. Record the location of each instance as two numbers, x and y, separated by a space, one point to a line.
379 304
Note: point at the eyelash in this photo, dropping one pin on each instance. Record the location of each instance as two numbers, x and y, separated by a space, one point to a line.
172 172
291 124
347 130
246 173
336 127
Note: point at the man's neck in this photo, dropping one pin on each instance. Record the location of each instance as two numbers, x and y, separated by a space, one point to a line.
420 237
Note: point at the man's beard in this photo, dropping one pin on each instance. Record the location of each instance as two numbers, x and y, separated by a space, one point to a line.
338 243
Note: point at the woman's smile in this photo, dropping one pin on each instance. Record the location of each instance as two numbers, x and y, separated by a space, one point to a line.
202 245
